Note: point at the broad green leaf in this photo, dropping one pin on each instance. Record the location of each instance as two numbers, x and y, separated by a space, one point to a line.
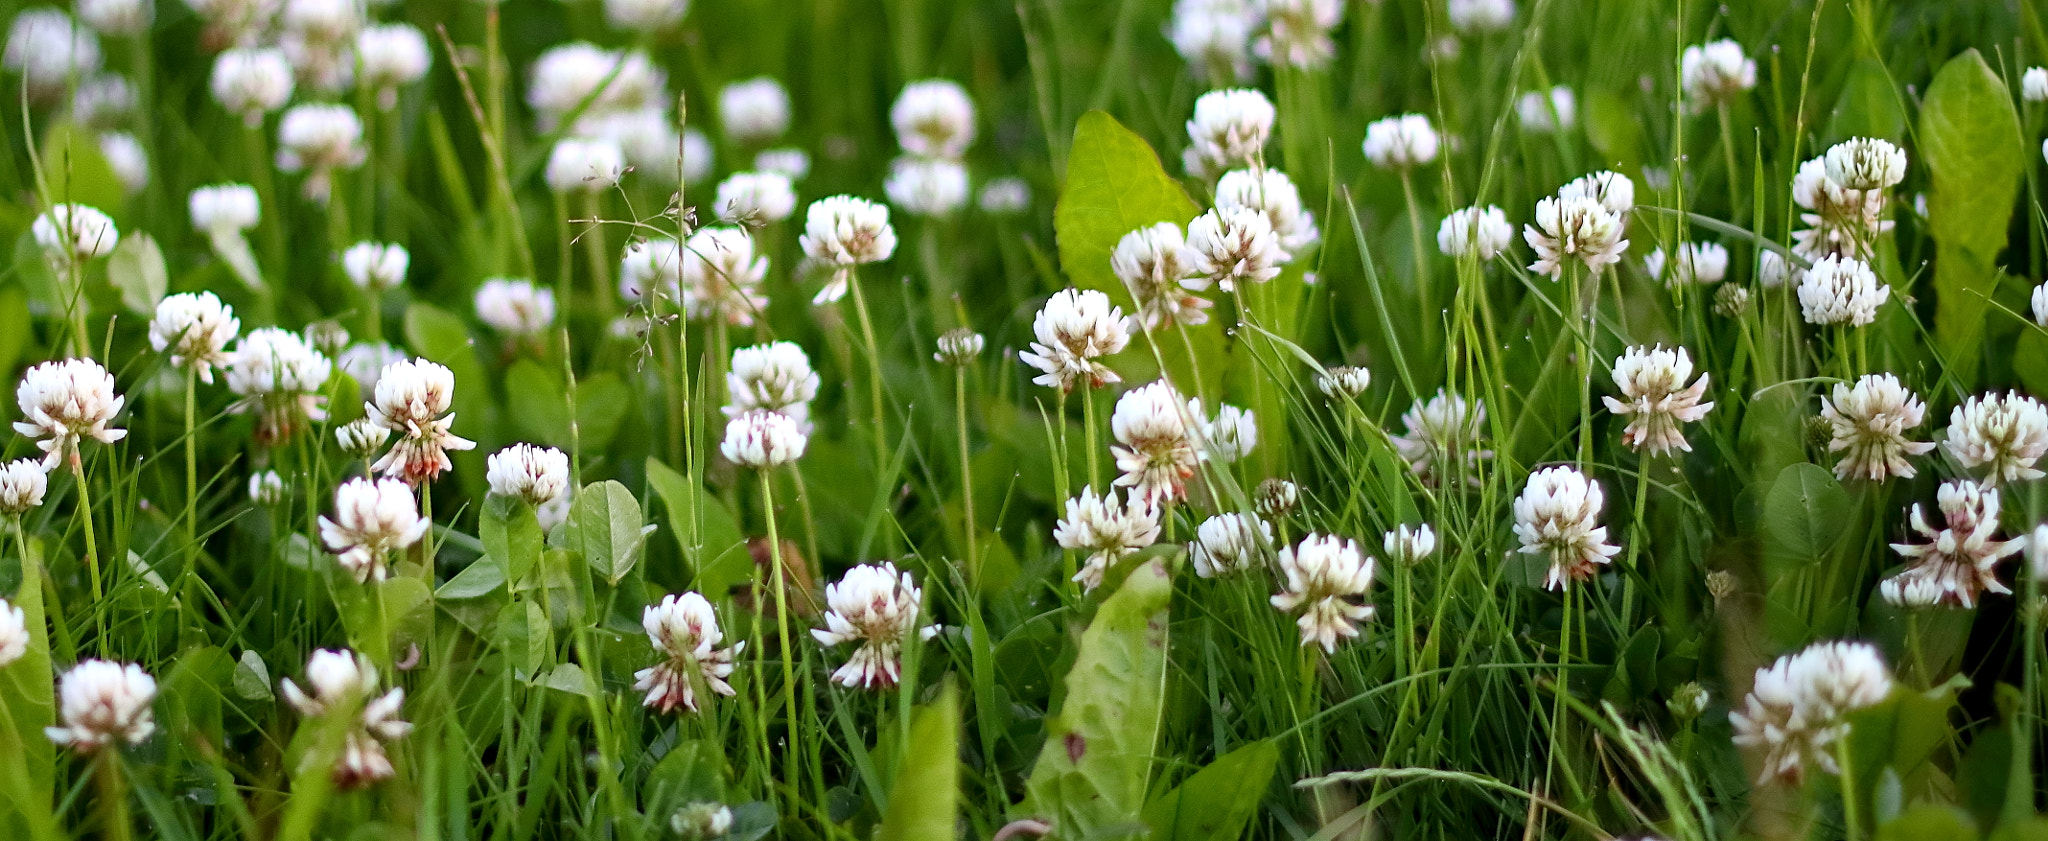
924 800
512 539
76 171
15 330
691 772
1970 142
570 678
525 637
1902 732
1217 802
537 403
27 758
1115 185
137 269
1092 775
252 677
193 692
1615 128
475 581
602 402
1804 512
608 528
1868 107
716 548
1930 821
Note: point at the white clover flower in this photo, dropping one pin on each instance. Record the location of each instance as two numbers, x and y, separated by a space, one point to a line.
515 306
1155 449
1557 516
1297 32
1005 196
754 111
930 187
763 439
876 607
1773 271
1327 579
795 163
684 631
1841 291
23 483
843 232
1842 221
326 67
74 233
372 519
568 75
266 487
412 399
1230 436
2034 85
317 140
1159 269
103 102
1701 263
48 51
1959 562
103 703
322 21
1574 228
364 362
651 270
376 267
647 140
722 278
1656 398
1612 190
126 157
66 402
279 377
14 633
1545 113
1231 245
701 821
195 328
1799 706
392 55
1107 530
1480 231
959 347
1478 17
1229 131
2005 434
1868 425
775 377
339 680
2040 305
1214 37
1402 142
756 198
641 15
224 208
361 438
1442 431
1073 331
585 165
1344 382
933 118
1866 163
1276 498
1272 193
1714 73
1229 543
1410 545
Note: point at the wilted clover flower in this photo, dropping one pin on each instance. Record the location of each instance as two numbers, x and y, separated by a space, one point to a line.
1445 429
1656 398
1327 579
1159 269
1557 516
66 402
1868 423
1230 543
1480 231
372 519
684 630
1841 291
1155 449
1228 131
1072 332
1959 562
2005 434
102 703
1106 529
875 606
1276 498
1799 706
343 680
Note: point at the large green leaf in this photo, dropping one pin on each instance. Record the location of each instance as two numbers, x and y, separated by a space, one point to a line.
1115 185
511 536
608 528
1970 142
924 801
1215 803
1804 513
1091 777
715 548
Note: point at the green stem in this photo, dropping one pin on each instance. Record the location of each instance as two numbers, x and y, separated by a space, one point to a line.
867 332
791 754
92 551
113 801
191 467
966 474
1850 817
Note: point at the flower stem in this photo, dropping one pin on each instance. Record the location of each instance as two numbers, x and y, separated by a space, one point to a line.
1850 818
113 791
92 551
791 754
867 333
966 475
191 468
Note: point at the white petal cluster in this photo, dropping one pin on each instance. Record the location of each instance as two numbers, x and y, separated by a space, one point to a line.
1656 398
1157 266
922 186
1697 263
775 377
1714 73
1410 545
1297 32
1442 431
611 81
343 680
642 15
1557 516
1868 423
1229 543
23 482
103 703
1841 291
585 165
515 306
722 277
318 36
875 606
1073 331
2039 301
126 157
1402 142
1478 17
279 377
1327 580
651 270
411 400
959 347
195 328
1276 498
1214 37
392 55
365 362
2004 434
1229 131
1106 530
67 402
1841 221
1155 449
224 208
1233 245
372 519
1613 190
14 633
1483 232
754 111
1958 562
933 118
1229 436
648 140
376 267
1866 163
534 475
1543 113
2034 85
1799 706
48 51
103 102
1574 228
252 82
1271 192
1344 382
361 438
684 631
74 233
1007 196
843 232
266 487
756 198
763 439
795 163
1774 272
318 140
